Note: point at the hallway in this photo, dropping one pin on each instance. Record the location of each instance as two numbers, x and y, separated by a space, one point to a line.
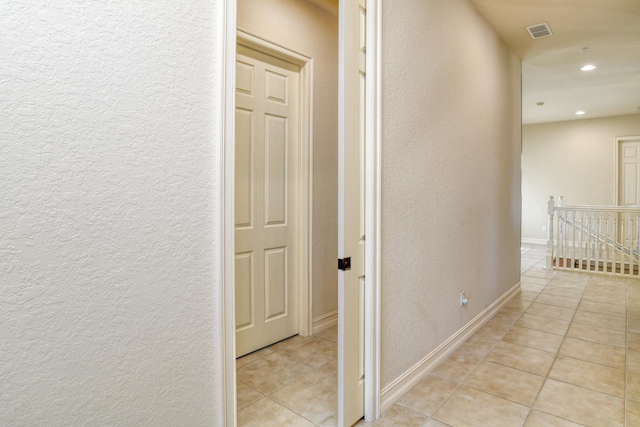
565 352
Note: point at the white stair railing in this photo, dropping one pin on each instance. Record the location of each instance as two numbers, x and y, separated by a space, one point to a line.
602 239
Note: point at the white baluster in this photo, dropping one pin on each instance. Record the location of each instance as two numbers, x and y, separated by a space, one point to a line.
615 244
606 242
574 242
549 255
589 242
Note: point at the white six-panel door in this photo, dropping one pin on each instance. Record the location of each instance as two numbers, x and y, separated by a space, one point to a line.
629 169
266 229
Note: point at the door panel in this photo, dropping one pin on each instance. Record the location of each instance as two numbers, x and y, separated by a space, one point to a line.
351 208
630 171
266 234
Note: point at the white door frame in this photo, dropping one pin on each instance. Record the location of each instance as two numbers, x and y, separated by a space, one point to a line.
225 229
616 179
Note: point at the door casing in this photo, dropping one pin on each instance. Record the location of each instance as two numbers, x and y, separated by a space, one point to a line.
225 229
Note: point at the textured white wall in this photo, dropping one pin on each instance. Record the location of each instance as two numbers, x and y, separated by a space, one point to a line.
107 133
450 174
304 27
574 159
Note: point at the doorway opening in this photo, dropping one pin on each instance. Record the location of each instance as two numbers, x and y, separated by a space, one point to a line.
371 166
273 194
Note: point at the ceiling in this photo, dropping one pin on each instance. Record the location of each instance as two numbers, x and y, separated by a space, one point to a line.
551 65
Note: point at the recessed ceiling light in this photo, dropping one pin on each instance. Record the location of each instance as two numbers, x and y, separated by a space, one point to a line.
579 113
588 67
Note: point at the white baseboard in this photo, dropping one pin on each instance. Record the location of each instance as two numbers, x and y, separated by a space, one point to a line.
394 391
532 241
325 321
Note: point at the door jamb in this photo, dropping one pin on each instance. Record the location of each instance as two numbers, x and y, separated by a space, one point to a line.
616 178
372 221
373 211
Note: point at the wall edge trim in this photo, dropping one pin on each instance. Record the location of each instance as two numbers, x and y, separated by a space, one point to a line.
325 321
405 382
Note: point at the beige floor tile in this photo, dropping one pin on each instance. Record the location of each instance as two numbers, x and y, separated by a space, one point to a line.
580 405
330 421
603 308
329 334
633 313
603 292
545 324
267 413
593 352
288 344
518 304
573 276
560 283
633 326
435 423
540 272
491 332
592 376
633 342
535 339
252 357
608 279
633 301
246 395
558 301
397 416
551 311
314 396
633 386
507 315
633 361
533 280
559 291
502 381
468 407
596 334
604 297
457 366
633 413
313 351
524 358
602 320
540 419
331 367
478 348
428 394
531 287
610 284
528 296
271 372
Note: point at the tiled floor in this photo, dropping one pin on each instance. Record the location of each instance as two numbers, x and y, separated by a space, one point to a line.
291 383
565 352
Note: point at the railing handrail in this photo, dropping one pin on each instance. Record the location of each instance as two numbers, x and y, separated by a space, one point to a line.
598 208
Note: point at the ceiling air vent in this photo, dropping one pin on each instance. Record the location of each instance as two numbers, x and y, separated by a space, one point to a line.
539 30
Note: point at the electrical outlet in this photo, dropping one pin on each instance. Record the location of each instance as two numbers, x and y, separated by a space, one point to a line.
544 228
463 299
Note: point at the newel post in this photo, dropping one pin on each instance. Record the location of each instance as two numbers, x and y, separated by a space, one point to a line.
549 258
